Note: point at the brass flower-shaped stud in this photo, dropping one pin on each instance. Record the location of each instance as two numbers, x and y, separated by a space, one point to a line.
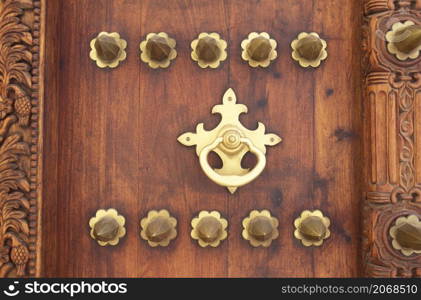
404 40
157 50
209 50
107 49
312 228
406 235
260 228
158 228
107 227
258 49
309 49
209 229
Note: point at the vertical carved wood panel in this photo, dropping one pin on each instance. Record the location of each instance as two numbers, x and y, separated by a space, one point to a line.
20 102
392 139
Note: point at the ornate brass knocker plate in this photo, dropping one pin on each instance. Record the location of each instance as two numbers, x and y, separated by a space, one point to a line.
231 141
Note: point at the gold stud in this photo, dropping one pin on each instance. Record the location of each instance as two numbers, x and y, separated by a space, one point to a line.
258 49
108 49
260 228
209 50
107 227
312 228
404 40
157 50
406 235
209 229
158 228
309 49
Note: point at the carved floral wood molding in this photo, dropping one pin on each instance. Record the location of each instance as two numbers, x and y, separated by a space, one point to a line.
20 22
392 103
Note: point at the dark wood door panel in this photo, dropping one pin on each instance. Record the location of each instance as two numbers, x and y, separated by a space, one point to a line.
111 138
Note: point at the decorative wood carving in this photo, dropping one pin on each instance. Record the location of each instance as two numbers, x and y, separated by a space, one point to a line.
392 102
20 22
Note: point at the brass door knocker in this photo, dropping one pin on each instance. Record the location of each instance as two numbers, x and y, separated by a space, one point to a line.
231 141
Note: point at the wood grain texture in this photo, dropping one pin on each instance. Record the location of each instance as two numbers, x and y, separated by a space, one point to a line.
315 117
110 138
392 144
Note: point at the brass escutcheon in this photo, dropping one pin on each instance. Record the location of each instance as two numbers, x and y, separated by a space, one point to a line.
260 228
406 235
258 49
157 50
158 228
209 228
312 228
107 227
404 40
309 49
231 141
209 50
108 49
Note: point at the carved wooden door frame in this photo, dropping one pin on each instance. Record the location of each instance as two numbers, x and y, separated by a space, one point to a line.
392 128
392 172
21 103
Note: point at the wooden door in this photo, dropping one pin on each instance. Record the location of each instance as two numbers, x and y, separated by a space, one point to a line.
115 140
107 138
